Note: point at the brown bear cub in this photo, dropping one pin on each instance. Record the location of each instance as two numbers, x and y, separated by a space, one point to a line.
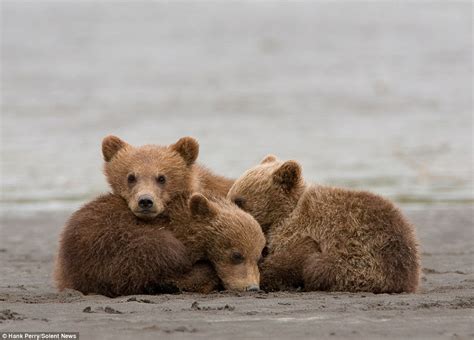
216 230
151 234
324 238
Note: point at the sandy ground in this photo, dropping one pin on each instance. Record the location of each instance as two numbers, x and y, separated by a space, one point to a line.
442 309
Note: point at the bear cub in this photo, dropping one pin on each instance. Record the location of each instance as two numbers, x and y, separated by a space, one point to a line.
325 238
143 237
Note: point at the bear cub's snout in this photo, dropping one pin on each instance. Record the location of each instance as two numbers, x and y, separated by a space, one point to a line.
145 202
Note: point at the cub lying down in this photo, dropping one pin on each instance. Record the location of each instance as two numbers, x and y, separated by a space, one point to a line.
106 249
324 238
148 232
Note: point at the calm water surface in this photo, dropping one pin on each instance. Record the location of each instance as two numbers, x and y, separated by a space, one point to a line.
365 95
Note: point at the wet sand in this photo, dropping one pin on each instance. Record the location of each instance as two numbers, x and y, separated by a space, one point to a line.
442 309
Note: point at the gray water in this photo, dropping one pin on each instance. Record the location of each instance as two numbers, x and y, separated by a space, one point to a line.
365 95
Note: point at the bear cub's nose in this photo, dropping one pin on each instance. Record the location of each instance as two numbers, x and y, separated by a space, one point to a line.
253 288
145 202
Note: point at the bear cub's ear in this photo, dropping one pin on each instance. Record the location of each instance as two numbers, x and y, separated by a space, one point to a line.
200 206
110 146
268 159
288 175
188 148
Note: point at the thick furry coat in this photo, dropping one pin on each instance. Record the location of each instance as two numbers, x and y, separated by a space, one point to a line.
324 238
111 247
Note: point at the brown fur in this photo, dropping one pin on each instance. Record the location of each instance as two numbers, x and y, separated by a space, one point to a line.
215 230
111 247
106 249
201 279
146 163
325 238
210 183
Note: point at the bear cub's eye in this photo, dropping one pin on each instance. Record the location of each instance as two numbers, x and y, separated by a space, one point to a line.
237 257
131 179
161 179
239 201
263 255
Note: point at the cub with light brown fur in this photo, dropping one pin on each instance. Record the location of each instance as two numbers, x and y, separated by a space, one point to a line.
214 229
325 238
156 173
131 241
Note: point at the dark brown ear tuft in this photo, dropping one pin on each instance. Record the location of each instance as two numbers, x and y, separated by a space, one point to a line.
188 148
200 206
110 146
288 175
268 159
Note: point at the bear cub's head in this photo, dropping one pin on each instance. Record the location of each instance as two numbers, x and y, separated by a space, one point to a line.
268 190
148 176
232 239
